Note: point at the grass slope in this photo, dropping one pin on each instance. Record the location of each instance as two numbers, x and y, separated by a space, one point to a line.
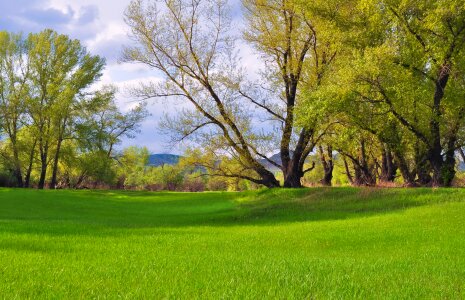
312 243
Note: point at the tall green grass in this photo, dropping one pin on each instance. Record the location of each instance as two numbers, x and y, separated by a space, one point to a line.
309 243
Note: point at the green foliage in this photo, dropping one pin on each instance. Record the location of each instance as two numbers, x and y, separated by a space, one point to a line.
378 83
314 177
55 128
132 164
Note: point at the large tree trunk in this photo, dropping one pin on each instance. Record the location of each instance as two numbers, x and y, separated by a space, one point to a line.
328 165
43 173
292 179
436 164
435 154
293 167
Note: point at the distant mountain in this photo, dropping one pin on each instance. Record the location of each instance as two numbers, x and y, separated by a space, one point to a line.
275 158
156 160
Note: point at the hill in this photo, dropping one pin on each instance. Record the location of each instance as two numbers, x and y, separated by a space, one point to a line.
156 160
269 244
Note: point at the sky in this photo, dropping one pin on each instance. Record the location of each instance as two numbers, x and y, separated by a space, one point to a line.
100 26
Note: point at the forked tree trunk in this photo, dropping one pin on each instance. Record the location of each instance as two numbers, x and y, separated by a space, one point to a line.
363 174
293 166
407 175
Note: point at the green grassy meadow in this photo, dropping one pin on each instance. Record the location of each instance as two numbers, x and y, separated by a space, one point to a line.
318 243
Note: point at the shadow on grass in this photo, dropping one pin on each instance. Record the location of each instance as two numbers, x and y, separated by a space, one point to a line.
111 213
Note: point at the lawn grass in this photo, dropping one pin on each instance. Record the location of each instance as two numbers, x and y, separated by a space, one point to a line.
311 243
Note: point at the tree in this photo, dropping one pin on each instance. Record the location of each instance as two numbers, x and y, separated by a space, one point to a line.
60 69
415 72
299 44
190 43
101 125
14 89
132 164
326 158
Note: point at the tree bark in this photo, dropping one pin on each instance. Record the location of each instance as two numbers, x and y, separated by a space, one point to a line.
268 179
422 166
346 166
328 165
53 181
43 169
367 176
17 164
435 154
448 166
388 167
407 175
43 173
29 167
293 167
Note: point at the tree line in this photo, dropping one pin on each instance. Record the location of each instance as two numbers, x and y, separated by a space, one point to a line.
56 130
379 83
372 88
